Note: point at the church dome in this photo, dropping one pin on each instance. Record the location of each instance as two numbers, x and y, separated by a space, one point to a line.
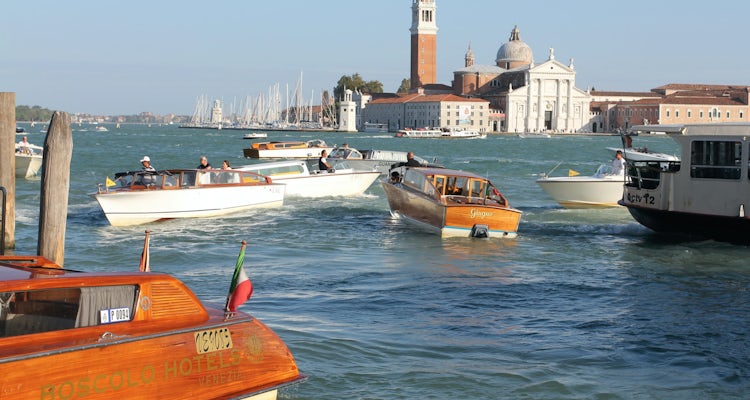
515 53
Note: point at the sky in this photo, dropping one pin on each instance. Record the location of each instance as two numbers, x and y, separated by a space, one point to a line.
159 56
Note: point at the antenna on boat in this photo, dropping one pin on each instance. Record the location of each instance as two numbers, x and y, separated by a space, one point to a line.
550 171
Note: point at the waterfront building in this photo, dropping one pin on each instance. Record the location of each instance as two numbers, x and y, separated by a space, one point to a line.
532 98
670 104
428 110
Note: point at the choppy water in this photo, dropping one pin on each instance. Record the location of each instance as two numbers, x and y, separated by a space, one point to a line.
583 304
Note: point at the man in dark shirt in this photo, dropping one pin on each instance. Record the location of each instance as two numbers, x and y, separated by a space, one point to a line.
411 161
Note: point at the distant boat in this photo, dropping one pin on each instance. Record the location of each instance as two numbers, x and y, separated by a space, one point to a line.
28 160
20 129
444 133
375 127
100 128
254 135
287 149
148 196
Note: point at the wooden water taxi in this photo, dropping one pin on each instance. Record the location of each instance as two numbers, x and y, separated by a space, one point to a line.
450 202
288 149
705 194
66 334
139 197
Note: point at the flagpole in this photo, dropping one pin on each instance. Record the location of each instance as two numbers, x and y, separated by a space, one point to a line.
235 277
145 264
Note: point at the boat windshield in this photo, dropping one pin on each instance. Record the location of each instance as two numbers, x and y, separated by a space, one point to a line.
34 311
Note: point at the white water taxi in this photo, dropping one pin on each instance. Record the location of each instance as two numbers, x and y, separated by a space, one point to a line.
301 181
28 160
603 189
145 196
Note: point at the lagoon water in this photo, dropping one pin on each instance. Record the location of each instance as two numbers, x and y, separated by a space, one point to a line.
583 304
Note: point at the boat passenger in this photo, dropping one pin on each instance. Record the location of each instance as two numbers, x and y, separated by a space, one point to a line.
618 164
411 161
146 164
323 162
24 147
204 163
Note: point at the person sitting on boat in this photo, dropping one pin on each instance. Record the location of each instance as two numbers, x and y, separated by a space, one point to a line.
24 147
204 163
411 161
323 162
618 164
146 164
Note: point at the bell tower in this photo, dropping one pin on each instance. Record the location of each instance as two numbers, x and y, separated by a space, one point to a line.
423 43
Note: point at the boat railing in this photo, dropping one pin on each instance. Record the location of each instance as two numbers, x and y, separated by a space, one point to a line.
647 174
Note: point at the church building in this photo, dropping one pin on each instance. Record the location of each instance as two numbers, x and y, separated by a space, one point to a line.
533 98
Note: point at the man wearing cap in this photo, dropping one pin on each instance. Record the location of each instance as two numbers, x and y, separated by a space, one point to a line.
146 162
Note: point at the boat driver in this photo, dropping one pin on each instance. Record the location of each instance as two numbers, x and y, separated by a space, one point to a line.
323 162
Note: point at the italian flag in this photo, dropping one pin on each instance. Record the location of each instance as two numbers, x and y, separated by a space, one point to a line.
241 288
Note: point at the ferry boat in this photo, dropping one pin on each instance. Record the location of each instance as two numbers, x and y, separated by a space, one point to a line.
444 133
450 203
705 194
66 334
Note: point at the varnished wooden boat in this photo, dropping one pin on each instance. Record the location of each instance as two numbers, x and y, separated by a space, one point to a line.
73 335
450 202
287 149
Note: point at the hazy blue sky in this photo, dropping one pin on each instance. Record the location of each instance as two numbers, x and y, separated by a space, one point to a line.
125 57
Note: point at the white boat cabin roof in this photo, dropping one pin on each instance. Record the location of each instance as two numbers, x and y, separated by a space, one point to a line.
721 129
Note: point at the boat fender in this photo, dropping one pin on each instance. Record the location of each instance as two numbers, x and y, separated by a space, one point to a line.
269 180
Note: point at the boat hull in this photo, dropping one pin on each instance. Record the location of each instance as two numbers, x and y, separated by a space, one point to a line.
328 184
722 228
583 192
124 208
28 166
450 220
170 365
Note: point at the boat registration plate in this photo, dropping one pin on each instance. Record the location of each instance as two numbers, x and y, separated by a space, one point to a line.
111 315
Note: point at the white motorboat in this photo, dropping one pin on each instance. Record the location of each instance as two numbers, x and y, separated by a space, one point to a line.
602 189
147 196
255 135
28 160
301 181
289 149
371 160
705 194
375 127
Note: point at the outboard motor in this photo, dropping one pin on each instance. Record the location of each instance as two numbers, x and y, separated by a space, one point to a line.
480 231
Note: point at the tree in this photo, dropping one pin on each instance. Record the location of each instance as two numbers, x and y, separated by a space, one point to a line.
355 82
405 86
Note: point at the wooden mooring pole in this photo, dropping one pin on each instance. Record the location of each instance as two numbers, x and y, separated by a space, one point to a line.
8 164
53 207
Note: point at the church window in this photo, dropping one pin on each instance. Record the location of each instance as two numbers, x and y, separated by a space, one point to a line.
742 115
677 113
667 113
700 114
690 113
727 114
